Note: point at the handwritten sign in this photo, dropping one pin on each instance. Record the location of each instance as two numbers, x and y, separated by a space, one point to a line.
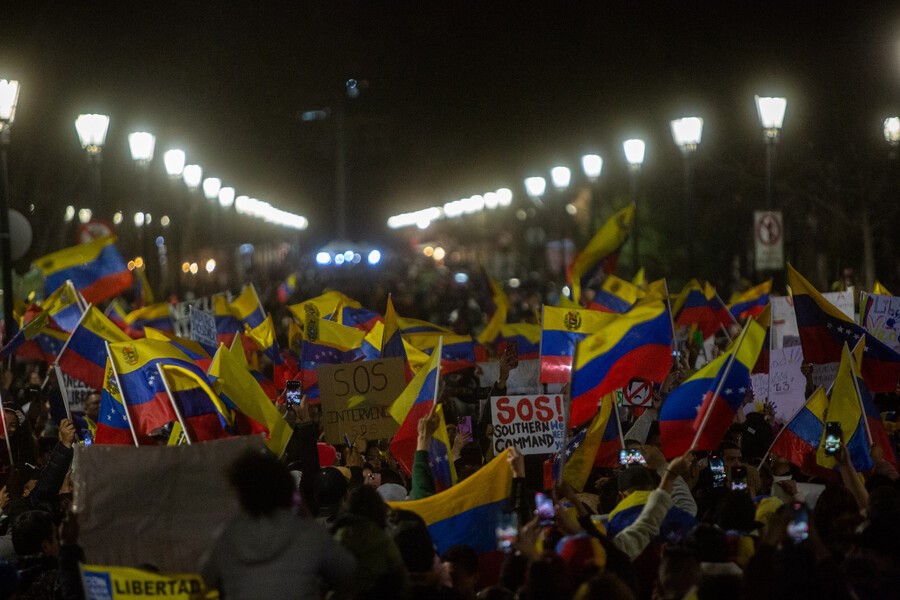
533 424
356 398
784 322
882 319
203 327
842 300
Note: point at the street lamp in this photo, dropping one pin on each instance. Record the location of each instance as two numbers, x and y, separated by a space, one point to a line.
142 145
92 130
211 187
226 197
174 161
561 177
9 97
592 165
535 188
192 175
771 118
687 132
892 133
634 154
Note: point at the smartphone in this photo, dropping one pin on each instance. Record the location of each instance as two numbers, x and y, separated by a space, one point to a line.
833 437
631 457
293 392
717 468
464 426
88 438
739 478
507 529
512 347
544 510
798 526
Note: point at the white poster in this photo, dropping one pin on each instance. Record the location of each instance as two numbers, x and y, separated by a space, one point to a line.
882 319
533 424
843 301
784 322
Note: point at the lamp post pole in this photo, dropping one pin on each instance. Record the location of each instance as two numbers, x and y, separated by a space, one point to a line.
771 118
193 177
535 187
686 133
634 154
9 95
92 130
561 177
592 165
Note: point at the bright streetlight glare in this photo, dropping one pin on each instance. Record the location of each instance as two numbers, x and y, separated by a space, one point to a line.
592 165
174 161
561 176
634 152
771 114
9 97
211 187
687 132
193 175
92 130
535 186
142 144
226 197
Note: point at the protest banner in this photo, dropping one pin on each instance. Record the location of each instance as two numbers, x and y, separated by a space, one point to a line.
356 398
171 500
203 327
123 583
533 424
524 379
77 391
181 313
784 386
882 318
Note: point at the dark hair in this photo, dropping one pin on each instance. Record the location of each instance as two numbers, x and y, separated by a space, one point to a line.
356 477
262 483
463 556
635 477
728 445
391 476
30 530
413 540
708 543
330 487
365 501
736 511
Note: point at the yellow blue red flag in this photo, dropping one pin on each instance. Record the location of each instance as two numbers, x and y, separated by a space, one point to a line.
602 251
96 269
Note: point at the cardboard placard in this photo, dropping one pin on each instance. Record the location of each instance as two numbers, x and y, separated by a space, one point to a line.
203 327
883 319
533 424
356 397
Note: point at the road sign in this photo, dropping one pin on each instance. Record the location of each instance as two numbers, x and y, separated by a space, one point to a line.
768 237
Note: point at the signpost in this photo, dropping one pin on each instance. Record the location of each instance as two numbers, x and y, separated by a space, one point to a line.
768 237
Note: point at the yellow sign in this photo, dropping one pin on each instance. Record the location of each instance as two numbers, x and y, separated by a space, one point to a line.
123 583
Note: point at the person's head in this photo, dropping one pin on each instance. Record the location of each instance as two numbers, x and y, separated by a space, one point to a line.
262 483
330 488
731 454
736 512
34 532
391 476
708 543
461 563
364 501
357 478
371 477
92 406
410 533
836 516
373 456
678 572
635 478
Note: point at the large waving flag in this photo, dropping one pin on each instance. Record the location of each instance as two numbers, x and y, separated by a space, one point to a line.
65 306
584 446
158 316
142 387
84 355
96 268
247 308
878 435
40 338
457 351
191 348
205 415
334 344
112 420
799 440
845 407
637 344
469 512
264 337
824 330
227 324
416 401
440 460
232 380
752 302
526 335
602 251
326 306
699 304
615 295
699 411
563 328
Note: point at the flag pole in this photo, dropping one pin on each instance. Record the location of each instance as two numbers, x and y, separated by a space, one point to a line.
112 365
853 373
165 381
719 387
12 462
615 409
437 380
671 318
68 339
567 410
62 390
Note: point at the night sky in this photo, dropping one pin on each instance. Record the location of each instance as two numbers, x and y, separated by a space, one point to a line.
462 97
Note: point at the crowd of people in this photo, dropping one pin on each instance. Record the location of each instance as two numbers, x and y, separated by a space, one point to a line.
329 520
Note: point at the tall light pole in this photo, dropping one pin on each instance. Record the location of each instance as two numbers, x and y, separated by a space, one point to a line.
687 132
771 118
9 97
592 165
561 177
92 130
535 188
226 202
169 253
634 154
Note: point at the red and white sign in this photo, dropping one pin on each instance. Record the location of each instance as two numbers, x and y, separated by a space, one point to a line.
768 237
638 393
533 424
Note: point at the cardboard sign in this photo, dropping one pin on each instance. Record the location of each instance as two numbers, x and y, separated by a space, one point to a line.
181 313
842 300
203 327
882 317
524 379
533 424
122 583
356 397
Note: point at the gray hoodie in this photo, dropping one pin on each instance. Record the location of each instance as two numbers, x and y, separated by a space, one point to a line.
277 556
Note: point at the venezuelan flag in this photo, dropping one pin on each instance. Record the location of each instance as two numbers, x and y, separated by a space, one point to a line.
582 449
141 385
439 458
562 329
230 377
392 342
205 416
97 269
467 513
718 389
637 344
676 524
824 330
699 305
40 338
799 440
879 289
84 355
247 308
411 326
526 335
457 351
615 295
602 251
845 407
877 432
415 402
326 306
112 420
158 316
192 349
227 324
264 336
501 311
752 302
64 305
116 312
